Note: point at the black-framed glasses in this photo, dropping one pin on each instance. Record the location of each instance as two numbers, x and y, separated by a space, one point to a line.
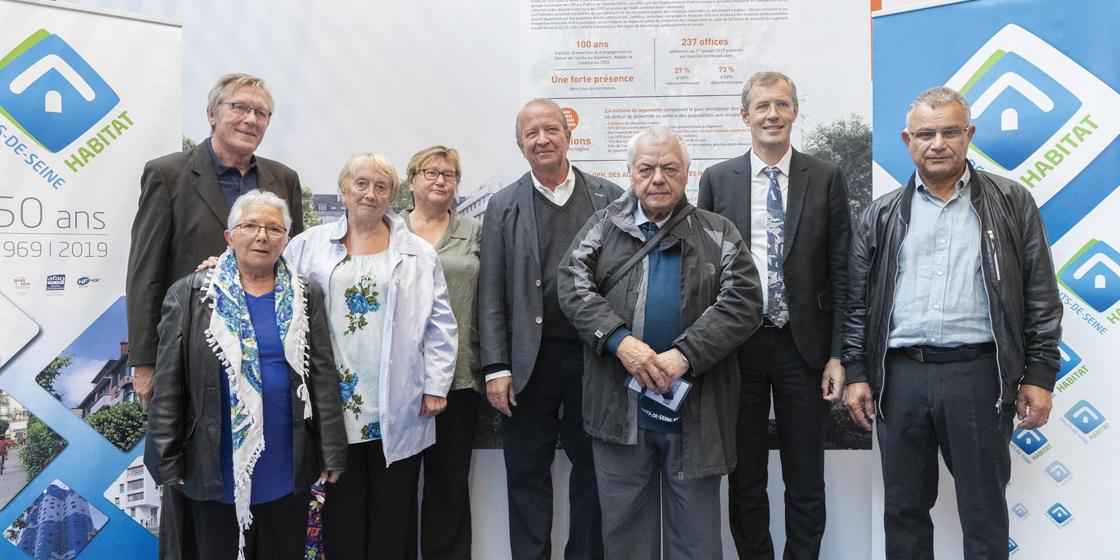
450 177
272 232
950 133
242 109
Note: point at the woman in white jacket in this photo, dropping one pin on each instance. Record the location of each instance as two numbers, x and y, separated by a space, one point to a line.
395 342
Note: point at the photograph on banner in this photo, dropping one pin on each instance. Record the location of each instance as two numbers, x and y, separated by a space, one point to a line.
92 379
137 495
27 446
58 524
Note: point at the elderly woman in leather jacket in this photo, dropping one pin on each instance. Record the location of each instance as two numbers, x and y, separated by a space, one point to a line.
246 412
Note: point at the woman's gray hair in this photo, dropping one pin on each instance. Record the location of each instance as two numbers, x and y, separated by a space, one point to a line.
257 197
657 134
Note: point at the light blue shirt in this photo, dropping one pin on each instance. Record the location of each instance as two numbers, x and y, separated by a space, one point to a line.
940 298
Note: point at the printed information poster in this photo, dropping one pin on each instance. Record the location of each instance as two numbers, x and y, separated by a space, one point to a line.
620 66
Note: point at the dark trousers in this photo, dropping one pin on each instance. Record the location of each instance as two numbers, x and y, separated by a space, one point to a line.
445 514
278 532
366 516
769 362
951 408
176 531
529 442
650 512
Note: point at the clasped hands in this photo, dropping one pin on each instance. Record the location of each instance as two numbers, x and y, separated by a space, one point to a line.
653 371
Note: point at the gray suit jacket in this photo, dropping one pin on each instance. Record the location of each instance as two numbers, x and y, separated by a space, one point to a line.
510 297
816 243
179 223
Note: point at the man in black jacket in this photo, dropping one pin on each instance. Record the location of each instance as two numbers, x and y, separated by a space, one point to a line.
952 296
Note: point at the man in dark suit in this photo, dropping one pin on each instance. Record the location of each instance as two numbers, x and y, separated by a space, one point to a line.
185 199
794 210
531 354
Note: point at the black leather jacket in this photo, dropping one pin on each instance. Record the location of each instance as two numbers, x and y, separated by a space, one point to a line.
184 424
1023 302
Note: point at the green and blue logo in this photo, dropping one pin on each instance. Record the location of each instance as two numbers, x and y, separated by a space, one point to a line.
50 92
1016 108
1093 275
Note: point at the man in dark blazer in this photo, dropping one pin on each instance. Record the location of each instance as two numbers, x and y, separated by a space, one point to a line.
793 208
531 354
185 199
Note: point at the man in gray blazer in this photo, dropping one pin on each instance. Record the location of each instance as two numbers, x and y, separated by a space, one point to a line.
531 354
185 199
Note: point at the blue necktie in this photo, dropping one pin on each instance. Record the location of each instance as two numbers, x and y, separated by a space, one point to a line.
649 229
777 309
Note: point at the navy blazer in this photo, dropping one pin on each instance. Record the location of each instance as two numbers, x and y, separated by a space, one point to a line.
817 232
510 292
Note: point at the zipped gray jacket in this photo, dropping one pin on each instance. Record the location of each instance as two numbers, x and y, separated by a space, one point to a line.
721 305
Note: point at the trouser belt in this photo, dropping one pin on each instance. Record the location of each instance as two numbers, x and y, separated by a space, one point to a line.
942 355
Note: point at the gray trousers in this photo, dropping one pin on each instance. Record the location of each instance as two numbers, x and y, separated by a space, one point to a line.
951 408
648 508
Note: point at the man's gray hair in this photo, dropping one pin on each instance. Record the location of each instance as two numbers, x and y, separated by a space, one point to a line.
766 78
547 103
657 135
257 197
937 96
232 82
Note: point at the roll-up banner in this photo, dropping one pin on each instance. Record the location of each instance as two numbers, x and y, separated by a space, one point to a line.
86 98
1042 79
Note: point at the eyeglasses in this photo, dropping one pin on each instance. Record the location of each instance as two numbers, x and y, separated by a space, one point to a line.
763 107
449 177
272 232
669 171
927 135
242 109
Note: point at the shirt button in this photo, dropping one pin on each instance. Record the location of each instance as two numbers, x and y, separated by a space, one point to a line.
937 307
539 320
538 283
939 273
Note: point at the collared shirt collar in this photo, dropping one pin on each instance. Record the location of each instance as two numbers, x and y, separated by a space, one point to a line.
640 216
562 192
757 165
220 168
921 187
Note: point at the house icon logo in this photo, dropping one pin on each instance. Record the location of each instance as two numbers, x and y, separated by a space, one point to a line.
1029 441
1041 117
1059 515
1093 275
1068 360
1016 108
1084 417
50 92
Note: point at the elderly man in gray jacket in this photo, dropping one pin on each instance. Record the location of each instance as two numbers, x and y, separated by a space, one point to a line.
661 294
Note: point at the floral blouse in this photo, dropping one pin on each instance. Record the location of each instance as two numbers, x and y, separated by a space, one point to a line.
356 313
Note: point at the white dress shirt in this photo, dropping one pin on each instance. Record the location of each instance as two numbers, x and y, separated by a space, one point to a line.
760 186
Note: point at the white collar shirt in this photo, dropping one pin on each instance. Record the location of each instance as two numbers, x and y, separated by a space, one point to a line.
560 195
760 186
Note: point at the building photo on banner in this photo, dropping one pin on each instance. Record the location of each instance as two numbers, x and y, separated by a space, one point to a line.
1044 86
92 90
